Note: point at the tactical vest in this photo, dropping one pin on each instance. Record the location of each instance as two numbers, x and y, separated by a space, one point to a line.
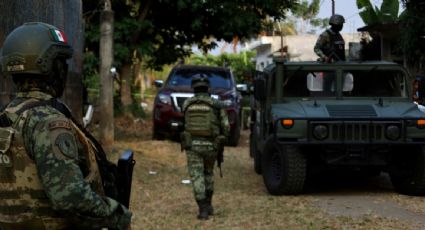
23 202
201 119
337 48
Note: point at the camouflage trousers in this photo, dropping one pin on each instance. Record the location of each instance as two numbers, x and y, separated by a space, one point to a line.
200 163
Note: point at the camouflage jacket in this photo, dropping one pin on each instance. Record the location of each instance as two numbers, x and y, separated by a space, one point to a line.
60 160
223 118
330 43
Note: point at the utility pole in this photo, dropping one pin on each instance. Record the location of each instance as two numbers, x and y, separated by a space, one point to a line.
333 7
106 107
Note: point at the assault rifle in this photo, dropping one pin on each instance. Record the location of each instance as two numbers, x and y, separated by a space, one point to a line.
220 154
125 175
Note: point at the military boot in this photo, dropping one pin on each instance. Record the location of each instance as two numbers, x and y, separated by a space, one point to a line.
203 209
210 208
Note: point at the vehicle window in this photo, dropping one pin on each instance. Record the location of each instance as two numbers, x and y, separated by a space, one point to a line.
301 83
218 79
383 83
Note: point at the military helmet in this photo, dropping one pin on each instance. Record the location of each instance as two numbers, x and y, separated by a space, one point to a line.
32 47
200 80
336 19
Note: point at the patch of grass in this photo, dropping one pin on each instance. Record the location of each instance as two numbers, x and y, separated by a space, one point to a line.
160 201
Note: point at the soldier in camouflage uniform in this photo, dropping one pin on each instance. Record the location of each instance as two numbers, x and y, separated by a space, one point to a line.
49 177
206 129
330 45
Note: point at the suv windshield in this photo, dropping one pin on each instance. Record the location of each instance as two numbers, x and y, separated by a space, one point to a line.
356 83
218 79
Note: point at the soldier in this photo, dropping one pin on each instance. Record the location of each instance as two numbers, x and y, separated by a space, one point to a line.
330 45
49 176
206 129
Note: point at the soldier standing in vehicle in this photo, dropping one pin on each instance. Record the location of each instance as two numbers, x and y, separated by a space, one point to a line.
330 47
206 129
48 169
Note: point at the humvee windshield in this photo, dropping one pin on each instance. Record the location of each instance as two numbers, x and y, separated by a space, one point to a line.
355 83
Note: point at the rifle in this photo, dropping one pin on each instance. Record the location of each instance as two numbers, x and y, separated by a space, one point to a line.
220 159
125 175
220 154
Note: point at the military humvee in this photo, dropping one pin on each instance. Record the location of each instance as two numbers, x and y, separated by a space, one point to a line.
310 116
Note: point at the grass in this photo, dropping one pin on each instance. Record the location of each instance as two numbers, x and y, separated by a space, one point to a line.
160 201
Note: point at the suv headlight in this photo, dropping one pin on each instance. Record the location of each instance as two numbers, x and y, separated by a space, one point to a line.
227 102
164 99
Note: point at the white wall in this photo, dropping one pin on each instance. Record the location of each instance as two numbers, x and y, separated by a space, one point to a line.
300 47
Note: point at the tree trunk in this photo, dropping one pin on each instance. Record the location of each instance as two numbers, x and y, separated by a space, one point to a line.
125 88
106 135
64 14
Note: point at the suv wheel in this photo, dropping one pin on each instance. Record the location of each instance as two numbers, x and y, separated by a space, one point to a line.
235 134
284 169
156 135
408 172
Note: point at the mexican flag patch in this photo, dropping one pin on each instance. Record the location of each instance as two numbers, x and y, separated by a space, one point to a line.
58 36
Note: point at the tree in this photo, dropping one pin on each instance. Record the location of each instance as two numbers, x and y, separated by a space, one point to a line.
239 63
161 32
373 15
307 12
106 131
413 37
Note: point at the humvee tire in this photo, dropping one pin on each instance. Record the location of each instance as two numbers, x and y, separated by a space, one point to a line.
284 169
408 173
254 153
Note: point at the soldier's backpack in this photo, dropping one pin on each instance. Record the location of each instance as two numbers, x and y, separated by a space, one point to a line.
201 119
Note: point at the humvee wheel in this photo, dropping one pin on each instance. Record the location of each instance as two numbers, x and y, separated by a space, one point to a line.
254 153
408 172
284 169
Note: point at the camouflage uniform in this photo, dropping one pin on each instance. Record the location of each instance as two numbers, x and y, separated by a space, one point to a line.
330 44
202 155
50 179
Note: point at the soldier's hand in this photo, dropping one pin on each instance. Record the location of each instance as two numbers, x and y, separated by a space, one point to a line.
327 59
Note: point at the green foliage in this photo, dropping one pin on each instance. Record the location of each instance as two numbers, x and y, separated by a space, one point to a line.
372 15
135 109
90 72
163 31
307 11
413 36
239 63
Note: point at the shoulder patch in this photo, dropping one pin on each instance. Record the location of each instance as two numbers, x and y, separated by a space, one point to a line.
66 145
59 124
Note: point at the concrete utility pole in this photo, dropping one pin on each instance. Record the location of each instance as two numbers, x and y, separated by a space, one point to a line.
333 7
106 106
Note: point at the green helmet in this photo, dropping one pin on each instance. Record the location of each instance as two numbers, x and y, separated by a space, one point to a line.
200 80
336 19
32 48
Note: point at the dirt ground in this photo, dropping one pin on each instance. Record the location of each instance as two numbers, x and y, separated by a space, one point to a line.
161 201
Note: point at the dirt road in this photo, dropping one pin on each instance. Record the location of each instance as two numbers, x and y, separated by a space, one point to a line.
161 201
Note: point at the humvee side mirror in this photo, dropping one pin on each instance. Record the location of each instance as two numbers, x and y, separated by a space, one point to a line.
260 89
158 83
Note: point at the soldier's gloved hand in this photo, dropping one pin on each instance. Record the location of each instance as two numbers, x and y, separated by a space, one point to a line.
327 59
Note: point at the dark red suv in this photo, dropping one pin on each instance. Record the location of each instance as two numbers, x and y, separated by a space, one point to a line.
167 114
